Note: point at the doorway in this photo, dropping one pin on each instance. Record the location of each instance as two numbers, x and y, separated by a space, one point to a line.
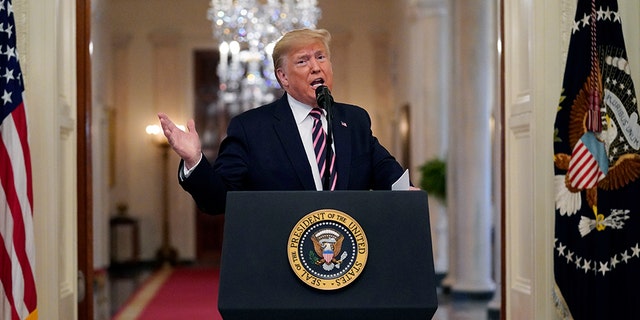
211 123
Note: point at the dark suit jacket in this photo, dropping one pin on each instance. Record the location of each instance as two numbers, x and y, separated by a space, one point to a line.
263 151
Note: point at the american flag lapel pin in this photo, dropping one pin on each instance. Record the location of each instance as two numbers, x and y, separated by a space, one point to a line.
343 124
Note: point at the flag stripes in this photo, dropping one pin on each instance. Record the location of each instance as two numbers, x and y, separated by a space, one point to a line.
18 297
16 231
583 168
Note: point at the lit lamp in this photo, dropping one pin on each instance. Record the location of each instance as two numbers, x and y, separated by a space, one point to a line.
166 254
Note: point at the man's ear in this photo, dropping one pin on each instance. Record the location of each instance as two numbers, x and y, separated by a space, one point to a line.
282 76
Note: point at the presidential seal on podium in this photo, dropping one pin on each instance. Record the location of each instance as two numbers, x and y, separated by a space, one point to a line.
327 249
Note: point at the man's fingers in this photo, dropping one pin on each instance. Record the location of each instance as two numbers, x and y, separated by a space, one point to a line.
167 125
164 119
191 125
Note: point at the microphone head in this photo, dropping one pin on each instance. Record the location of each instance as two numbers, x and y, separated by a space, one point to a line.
323 96
322 89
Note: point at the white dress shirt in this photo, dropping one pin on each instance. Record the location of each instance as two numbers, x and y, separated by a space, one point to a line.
305 124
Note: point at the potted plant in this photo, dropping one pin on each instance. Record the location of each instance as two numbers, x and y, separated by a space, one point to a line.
434 178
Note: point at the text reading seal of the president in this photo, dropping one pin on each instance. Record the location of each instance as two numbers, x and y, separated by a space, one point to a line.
327 249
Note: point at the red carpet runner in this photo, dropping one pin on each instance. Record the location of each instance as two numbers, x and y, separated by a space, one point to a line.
181 293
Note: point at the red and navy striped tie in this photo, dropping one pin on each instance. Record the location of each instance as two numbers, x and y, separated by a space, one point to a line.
320 147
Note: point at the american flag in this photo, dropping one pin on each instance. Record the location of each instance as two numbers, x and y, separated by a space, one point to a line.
17 247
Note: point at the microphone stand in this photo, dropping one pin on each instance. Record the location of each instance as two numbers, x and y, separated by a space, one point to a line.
325 101
327 173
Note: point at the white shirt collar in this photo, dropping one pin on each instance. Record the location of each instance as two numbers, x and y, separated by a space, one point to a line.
299 109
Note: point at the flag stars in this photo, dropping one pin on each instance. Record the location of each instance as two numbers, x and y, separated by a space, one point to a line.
601 15
8 74
606 14
616 16
585 20
595 266
614 261
604 267
578 262
586 266
636 251
6 97
625 257
569 256
576 27
11 52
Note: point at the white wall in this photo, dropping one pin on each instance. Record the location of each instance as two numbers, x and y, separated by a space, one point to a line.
46 46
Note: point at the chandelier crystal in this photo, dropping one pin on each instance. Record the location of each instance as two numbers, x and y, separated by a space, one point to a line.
246 31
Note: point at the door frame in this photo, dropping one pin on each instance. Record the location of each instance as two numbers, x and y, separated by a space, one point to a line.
83 160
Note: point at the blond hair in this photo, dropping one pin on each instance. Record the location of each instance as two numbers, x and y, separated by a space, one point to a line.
295 39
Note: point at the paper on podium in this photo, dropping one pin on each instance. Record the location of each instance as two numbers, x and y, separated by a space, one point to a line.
402 183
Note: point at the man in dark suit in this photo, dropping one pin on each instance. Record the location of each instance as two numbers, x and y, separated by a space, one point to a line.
271 147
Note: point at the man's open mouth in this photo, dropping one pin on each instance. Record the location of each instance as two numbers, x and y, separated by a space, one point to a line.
317 82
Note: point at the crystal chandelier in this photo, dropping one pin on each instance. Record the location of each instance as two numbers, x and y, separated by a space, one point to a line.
246 31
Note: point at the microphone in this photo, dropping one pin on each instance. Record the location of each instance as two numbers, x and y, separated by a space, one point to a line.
323 97
325 101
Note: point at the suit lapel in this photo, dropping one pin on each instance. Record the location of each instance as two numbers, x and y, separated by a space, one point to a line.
342 142
287 131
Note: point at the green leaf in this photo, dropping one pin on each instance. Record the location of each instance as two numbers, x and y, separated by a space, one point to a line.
434 178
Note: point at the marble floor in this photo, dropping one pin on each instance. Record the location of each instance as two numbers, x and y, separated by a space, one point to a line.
450 308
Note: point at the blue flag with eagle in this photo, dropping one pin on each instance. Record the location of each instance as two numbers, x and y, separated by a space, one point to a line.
597 173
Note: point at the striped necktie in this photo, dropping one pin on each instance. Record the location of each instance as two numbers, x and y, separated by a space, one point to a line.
320 148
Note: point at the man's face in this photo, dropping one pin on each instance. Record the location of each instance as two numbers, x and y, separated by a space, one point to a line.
305 68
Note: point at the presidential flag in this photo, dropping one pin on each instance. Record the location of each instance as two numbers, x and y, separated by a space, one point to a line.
17 247
597 173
